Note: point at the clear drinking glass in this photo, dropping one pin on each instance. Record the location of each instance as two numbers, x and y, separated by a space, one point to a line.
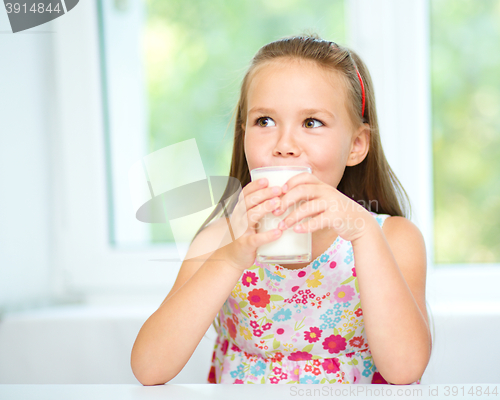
292 247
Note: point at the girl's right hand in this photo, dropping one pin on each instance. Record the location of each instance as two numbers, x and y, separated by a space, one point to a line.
254 201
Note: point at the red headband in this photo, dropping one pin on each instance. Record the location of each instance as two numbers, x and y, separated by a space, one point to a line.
363 92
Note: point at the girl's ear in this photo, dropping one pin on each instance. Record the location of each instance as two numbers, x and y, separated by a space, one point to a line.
359 146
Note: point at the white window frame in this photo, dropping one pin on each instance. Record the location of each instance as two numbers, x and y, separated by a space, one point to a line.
87 267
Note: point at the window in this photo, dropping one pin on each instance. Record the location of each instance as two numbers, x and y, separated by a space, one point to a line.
173 71
465 38
132 109
111 85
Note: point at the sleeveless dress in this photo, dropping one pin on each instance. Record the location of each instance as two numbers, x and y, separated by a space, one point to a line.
296 326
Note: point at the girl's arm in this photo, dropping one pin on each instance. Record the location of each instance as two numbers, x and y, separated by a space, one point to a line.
170 335
391 271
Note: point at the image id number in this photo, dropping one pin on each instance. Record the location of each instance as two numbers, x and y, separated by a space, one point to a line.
461 390
35 8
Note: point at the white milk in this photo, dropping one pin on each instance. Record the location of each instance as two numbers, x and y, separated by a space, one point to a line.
291 247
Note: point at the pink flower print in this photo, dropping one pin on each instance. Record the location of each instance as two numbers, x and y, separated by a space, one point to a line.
333 264
297 274
307 312
277 370
291 285
274 380
331 365
283 375
353 271
238 381
300 356
301 274
344 293
298 316
334 344
254 324
235 348
235 307
224 347
258 332
249 278
282 331
294 374
226 365
231 327
267 326
312 335
354 375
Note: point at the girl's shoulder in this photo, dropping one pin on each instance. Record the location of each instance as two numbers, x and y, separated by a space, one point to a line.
381 218
399 229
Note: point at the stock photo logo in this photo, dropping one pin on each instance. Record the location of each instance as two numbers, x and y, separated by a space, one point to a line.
28 14
170 186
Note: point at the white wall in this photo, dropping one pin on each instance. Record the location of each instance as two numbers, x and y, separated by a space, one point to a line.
26 102
82 345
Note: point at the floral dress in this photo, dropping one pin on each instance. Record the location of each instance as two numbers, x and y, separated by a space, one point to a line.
296 326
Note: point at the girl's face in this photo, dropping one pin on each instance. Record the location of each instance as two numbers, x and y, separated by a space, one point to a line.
297 116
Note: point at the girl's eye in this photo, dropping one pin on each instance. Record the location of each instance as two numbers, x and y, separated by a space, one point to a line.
312 120
259 120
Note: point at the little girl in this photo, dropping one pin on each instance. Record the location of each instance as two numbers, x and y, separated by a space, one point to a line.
357 313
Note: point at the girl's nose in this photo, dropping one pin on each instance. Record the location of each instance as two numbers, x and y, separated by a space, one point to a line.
286 145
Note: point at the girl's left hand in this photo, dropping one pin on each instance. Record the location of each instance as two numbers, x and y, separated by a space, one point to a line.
327 207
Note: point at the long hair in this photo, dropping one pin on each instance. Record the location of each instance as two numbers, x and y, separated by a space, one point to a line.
370 181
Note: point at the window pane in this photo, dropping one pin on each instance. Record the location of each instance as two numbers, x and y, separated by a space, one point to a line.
465 65
196 53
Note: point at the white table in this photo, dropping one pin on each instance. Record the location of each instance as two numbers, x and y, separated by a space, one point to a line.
244 392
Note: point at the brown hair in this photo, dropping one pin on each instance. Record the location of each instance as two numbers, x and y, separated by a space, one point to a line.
372 180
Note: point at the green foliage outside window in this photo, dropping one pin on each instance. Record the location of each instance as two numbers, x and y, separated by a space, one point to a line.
465 73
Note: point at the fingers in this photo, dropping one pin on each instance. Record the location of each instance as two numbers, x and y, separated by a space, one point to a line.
255 200
260 239
256 213
299 193
257 197
303 177
302 211
241 207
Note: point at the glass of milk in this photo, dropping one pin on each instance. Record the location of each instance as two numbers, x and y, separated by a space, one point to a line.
291 247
